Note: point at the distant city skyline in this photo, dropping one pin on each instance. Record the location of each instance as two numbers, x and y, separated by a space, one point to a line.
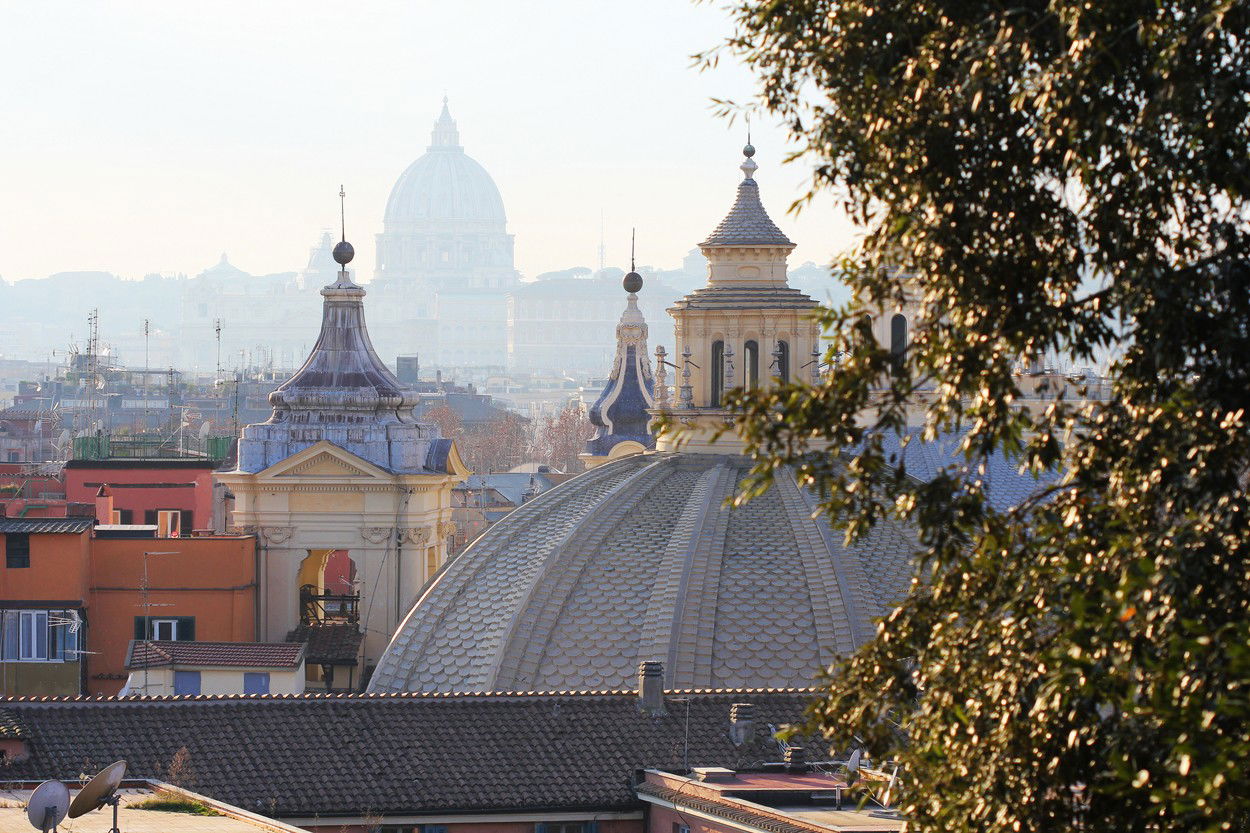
146 137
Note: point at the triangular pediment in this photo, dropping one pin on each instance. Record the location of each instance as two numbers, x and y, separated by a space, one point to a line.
324 460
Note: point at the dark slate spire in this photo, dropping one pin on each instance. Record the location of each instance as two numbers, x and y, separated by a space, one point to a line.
342 394
620 412
747 223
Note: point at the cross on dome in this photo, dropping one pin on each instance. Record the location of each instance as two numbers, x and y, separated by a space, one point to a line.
445 134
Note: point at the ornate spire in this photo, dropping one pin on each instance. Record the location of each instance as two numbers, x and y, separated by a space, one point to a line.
620 412
445 136
747 223
343 393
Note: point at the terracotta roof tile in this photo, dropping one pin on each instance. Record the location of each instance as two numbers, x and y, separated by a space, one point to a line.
45 526
157 653
10 725
329 644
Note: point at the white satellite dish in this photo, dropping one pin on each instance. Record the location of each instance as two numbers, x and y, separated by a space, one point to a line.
852 764
100 790
63 439
205 427
48 805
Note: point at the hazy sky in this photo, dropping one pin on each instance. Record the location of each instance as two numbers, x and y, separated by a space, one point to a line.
145 137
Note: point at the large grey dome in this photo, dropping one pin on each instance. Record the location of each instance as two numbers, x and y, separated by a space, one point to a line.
639 559
444 184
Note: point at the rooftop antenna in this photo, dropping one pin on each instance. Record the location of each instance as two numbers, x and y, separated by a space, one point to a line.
145 593
342 213
217 332
48 805
603 248
147 331
100 790
633 235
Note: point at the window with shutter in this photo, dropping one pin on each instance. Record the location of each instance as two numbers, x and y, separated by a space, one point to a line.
186 682
255 682
16 550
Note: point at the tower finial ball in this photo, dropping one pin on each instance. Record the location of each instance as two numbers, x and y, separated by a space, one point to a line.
748 151
632 282
343 253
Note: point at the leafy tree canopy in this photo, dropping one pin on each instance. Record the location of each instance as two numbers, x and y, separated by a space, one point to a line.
1067 177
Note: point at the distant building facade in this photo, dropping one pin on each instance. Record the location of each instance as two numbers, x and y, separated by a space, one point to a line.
444 256
567 323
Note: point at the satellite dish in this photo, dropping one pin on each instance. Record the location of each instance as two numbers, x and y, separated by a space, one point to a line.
205 427
63 438
99 791
852 765
48 805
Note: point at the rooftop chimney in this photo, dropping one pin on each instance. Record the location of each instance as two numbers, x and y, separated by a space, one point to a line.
104 505
651 686
741 722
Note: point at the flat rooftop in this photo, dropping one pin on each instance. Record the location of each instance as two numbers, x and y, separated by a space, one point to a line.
232 819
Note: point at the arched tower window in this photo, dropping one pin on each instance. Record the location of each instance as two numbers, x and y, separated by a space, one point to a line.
751 358
898 337
717 373
783 361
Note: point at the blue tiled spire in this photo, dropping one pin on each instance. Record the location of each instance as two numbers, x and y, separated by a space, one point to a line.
620 412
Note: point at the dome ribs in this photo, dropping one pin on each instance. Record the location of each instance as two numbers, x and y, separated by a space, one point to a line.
537 617
834 580
640 558
666 600
694 620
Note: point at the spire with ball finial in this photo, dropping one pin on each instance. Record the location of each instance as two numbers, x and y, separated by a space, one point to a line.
343 252
632 281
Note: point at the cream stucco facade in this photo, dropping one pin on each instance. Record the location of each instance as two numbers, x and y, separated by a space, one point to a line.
348 493
394 527
746 328
214 681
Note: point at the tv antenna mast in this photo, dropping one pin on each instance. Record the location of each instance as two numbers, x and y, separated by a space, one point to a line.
93 358
603 247
217 330
145 595
147 332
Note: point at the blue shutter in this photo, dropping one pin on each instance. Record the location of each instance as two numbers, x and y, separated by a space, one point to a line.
186 682
255 682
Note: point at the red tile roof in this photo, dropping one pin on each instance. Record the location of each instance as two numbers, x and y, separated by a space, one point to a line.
45 526
331 643
157 653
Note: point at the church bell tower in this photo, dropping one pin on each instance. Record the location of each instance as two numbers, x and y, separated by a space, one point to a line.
746 328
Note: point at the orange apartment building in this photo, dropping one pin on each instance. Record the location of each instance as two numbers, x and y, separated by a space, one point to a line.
73 596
